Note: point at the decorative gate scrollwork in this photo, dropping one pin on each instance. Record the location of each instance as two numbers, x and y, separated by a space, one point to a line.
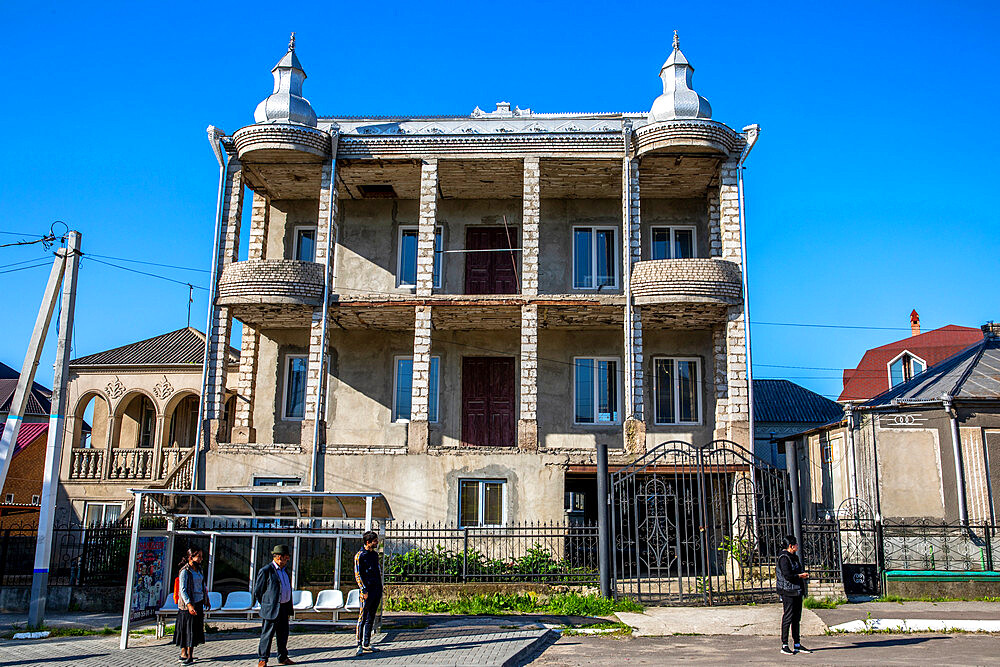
697 524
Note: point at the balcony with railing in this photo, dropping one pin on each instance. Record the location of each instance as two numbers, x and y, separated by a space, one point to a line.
126 464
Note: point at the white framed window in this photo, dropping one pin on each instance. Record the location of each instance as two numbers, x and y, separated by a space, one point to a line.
402 389
482 503
595 257
672 243
406 260
8 498
596 390
294 393
36 500
677 390
276 481
305 243
904 367
101 514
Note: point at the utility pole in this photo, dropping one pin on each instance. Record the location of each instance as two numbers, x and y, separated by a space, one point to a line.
54 445
31 357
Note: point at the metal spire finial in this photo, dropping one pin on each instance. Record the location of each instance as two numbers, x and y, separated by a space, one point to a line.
677 41
291 41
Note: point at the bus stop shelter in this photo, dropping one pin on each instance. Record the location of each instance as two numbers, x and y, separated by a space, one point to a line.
162 515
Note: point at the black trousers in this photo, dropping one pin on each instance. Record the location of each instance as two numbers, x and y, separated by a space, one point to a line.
276 629
366 617
791 614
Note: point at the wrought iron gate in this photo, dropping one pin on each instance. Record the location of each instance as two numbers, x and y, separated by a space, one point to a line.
697 525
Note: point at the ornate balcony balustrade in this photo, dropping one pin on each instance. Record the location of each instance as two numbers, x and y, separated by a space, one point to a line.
86 464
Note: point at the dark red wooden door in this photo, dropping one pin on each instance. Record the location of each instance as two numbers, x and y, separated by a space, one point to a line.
488 402
491 272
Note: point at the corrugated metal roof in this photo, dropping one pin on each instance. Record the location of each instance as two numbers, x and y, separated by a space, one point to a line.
871 377
27 434
784 401
178 348
973 373
38 398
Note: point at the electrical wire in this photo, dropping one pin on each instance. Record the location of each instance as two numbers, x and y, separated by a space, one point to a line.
140 261
33 266
144 273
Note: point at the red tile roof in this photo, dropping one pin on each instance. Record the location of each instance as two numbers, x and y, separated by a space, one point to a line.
871 377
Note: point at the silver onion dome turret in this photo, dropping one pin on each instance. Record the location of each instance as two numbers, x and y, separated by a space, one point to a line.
286 104
679 100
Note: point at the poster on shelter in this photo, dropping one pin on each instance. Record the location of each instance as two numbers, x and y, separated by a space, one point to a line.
147 589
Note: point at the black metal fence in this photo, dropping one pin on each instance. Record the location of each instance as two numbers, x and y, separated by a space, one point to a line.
821 550
552 553
936 546
81 556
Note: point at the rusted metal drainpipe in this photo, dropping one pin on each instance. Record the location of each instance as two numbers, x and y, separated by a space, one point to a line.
956 445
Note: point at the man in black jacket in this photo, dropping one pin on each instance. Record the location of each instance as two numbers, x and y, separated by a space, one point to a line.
369 577
790 583
272 588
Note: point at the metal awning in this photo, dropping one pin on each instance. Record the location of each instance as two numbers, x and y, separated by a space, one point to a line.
237 504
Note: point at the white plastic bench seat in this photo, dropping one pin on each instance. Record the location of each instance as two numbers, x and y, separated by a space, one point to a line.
329 600
353 600
302 600
237 601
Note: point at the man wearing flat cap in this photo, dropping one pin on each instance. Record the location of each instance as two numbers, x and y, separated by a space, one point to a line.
273 590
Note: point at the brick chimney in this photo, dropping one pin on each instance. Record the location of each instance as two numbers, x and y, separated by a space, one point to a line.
914 323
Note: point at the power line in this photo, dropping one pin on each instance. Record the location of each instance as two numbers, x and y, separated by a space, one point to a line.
27 261
33 266
20 233
144 273
139 261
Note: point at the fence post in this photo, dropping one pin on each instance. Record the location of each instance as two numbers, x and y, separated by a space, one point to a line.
3 554
603 538
465 553
987 533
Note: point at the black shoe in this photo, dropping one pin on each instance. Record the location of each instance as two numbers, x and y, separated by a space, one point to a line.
786 650
799 648
189 661
360 651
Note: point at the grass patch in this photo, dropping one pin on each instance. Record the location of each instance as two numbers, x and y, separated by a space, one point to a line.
65 632
612 629
565 604
822 603
926 598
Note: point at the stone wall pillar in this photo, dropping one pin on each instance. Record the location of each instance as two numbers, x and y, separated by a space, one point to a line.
243 430
420 391
714 229
316 364
222 320
529 233
260 216
527 423
721 382
427 223
738 406
634 424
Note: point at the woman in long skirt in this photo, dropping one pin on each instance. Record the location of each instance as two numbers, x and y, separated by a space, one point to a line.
189 631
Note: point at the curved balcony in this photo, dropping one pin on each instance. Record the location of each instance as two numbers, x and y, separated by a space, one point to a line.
271 281
686 135
281 143
687 281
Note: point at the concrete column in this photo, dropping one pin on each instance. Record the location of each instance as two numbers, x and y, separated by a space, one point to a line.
218 334
738 408
527 423
260 216
315 408
634 426
426 225
529 232
420 391
243 430
159 437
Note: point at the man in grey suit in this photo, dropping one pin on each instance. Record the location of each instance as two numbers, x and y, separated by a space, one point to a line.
272 588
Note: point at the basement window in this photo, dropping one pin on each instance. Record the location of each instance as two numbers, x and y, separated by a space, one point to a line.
378 191
481 503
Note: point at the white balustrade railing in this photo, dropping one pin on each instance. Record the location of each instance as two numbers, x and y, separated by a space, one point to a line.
131 464
86 464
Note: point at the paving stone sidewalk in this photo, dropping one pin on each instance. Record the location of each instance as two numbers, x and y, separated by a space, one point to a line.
431 646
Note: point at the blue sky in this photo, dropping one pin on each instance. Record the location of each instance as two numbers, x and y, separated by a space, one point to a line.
870 192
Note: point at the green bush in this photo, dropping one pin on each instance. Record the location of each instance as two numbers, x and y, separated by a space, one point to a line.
441 563
566 604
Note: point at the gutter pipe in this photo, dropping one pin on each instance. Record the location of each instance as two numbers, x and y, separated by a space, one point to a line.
329 267
215 136
956 445
752 132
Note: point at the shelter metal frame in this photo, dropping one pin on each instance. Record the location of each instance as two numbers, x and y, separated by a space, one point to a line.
306 508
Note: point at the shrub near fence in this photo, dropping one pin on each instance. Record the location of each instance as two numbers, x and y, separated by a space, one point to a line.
528 552
81 556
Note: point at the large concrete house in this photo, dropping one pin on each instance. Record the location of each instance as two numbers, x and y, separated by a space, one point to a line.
454 310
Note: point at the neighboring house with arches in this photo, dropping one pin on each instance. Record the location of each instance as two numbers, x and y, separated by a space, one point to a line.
142 402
